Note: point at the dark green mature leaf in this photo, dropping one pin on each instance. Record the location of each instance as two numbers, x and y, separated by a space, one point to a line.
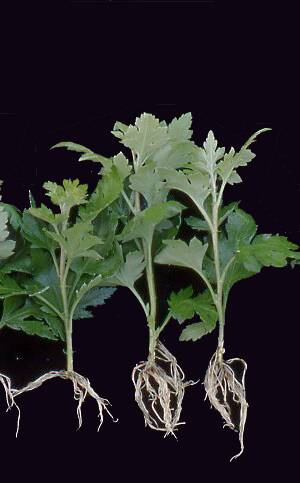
33 230
181 304
143 224
267 251
20 261
180 254
93 298
9 287
197 223
26 316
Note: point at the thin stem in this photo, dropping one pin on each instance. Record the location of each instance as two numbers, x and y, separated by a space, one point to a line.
163 325
135 292
55 261
131 207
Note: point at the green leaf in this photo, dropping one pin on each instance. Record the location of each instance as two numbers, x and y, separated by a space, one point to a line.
77 241
143 224
6 246
70 194
233 160
107 190
197 223
72 147
34 232
196 331
93 298
14 215
209 154
20 261
179 129
144 138
26 316
45 214
175 155
267 251
129 272
181 304
180 254
195 185
148 182
9 287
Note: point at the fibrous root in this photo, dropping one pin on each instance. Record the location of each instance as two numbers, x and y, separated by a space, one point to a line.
224 391
6 383
81 386
159 390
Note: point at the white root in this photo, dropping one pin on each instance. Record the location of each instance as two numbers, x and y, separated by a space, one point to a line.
220 382
81 386
159 393
6 383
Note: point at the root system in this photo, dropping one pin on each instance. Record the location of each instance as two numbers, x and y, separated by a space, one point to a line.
81 386
224 390
159 390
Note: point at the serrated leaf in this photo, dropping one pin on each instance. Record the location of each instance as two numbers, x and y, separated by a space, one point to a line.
93 298
77 241
181 304
107 190
46 214
143 224
14 215
129 272
145 137
70 146
267 251
179 129
209 154
6 246
67 195
196 331
195 185
33 230
26 316
148 182
181 254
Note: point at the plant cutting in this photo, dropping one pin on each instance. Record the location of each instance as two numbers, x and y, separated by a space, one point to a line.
225 250
7 247
57 271
149 216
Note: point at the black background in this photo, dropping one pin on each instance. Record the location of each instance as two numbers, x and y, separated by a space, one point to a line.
69 71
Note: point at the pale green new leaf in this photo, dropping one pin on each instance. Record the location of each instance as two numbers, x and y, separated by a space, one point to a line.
145 137
180 129
70 146
195 185
70 194
6 246
148 182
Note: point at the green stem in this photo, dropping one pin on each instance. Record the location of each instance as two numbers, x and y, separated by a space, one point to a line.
130 205
69 345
